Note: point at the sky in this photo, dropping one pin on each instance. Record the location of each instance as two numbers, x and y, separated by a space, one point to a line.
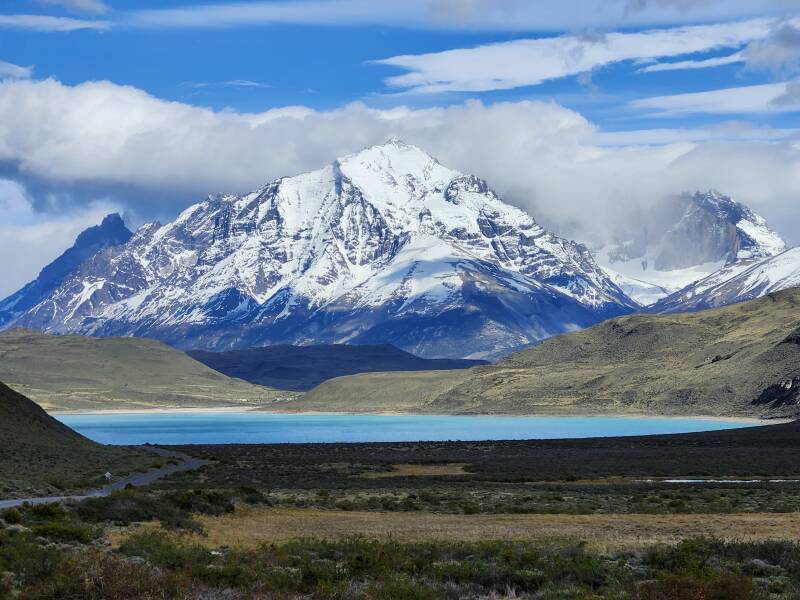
580 111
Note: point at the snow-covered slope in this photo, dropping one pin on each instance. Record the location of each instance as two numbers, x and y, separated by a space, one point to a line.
110 232
740 281
685 240
386 245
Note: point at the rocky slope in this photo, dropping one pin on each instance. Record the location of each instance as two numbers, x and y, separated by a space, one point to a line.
111 232
383 246
683 240
741 360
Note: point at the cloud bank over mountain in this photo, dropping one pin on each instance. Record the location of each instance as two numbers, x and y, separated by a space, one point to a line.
98 142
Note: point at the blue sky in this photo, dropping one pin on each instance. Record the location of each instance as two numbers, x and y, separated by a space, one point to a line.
254 67
568 108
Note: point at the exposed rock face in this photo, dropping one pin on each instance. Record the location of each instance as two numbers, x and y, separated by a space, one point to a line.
685 240
780 395
383 246
714 228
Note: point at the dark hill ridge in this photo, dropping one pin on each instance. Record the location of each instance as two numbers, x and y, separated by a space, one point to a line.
740 360
301 368
40 455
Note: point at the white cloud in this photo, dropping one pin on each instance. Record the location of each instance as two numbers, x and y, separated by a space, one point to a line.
778 52
48 23
12 71
35 239
153 157
752 99
683 65
532 61
96 7
493 15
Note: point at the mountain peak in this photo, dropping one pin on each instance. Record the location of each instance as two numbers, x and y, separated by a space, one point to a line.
391 154
110 232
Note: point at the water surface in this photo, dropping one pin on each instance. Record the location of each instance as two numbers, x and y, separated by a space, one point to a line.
266 428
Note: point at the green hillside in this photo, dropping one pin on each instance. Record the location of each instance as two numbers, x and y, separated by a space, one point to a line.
84 373
40 455
740 360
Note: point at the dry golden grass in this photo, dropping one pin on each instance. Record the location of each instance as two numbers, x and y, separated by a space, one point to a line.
251 526
411 470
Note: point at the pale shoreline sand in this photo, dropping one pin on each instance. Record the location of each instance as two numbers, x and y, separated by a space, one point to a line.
244 409
143 411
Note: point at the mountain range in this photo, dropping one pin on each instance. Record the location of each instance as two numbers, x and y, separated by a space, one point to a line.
383 246
388 246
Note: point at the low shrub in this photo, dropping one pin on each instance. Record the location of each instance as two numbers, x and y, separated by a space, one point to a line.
160 550
66 531
130 506
11 516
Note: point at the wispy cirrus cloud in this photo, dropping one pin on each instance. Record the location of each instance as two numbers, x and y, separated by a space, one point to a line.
50 23
95 7
242 83
532 61
683 65
751 99
483 15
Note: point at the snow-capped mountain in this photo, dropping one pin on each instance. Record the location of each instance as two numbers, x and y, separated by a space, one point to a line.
385 245
744 280
111 232
684 240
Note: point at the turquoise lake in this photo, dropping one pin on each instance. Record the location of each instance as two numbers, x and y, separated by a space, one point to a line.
266 428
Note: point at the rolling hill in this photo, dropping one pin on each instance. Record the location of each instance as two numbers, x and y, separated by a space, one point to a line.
740 360
301 368
40 455
84 373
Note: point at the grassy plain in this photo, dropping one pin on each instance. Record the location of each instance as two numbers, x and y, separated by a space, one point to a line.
68 373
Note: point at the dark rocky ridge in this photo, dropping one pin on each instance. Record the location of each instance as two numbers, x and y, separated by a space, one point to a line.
300 368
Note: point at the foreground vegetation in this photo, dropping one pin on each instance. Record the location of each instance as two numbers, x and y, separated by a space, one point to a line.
57 552
528 519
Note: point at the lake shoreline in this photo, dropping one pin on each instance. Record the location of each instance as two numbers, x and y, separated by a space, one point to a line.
254 409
